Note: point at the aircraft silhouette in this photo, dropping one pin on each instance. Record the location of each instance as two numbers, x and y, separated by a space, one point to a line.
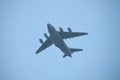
56 38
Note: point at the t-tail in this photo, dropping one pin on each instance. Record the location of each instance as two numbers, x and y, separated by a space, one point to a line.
66 55
72 50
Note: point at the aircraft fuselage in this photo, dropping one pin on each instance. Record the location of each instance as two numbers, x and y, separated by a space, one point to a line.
57 40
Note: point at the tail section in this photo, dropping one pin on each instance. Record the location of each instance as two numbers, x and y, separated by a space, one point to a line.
67 55
72 50
75 50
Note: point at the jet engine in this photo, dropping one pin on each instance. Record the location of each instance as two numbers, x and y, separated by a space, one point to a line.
61 29
69 30
46 36
41 41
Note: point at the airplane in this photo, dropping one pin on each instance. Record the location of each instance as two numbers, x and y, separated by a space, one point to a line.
56 38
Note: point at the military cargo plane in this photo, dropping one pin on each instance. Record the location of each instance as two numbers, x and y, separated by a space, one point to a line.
56 38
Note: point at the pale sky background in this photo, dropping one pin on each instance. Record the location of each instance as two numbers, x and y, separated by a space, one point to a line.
23 22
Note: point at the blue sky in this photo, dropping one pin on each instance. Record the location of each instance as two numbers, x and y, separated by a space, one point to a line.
23 22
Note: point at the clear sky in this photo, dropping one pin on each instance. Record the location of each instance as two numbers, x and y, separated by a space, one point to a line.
23 22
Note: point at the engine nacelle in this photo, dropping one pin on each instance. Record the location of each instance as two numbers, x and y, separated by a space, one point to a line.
46 36
69 30
41 41
61 29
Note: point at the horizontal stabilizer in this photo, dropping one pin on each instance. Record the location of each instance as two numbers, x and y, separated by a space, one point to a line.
75 50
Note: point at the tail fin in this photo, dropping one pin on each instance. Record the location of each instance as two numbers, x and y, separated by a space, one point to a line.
75 50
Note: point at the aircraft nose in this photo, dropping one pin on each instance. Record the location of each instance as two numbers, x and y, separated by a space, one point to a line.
49 27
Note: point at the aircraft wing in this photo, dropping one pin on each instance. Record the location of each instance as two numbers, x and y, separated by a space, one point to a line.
66 35
46 44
